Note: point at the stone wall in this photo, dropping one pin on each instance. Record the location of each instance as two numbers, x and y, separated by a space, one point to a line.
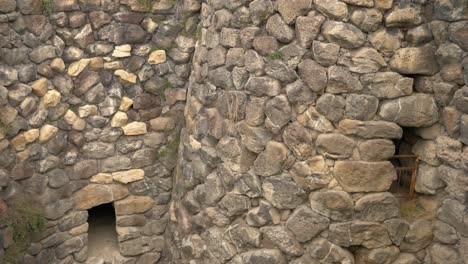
292 112
92 94
237 131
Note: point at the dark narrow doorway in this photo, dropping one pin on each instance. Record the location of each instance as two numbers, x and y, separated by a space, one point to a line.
405 162
102 234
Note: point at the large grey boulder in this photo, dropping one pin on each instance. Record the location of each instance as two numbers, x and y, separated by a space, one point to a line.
417 110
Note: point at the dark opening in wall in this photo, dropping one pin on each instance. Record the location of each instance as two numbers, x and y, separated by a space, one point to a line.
102 234
405 162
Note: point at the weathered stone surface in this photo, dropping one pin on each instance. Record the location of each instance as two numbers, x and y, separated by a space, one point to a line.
420 60
8 75
325 252
271 256
263 86
313 74
128 176
370 129
360 176
368 20
312 173
277 111
234 204
378 255
340 80
386 40
450 10
418 237
331 106
428 179
307 29
403 17
332 8
254 138
134 128
377 207
344 34
283 239
122 33
282 192
314 120
7 6
271 160
444 233
335 146
299 140
325 53
376 149
133 205
361 107
157 57
458 32
417 110
278 28
363 60
368 234
306 224
336 205
95 194
289 10
387 85
397 229
460 99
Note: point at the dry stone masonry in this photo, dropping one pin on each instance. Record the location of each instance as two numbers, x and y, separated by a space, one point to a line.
237 131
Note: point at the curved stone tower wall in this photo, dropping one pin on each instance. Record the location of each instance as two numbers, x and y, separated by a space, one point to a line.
92 95
237 131
291 117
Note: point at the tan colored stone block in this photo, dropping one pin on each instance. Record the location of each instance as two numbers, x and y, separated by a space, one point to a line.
23 155
162 123
157 57
57 65
31 135
70 117
126 76
47 132
96 63
96 194
77 67
87 110
119 119
133 205
40 86
122 51
125 104
51 98
134 128
19 142
129 175
79 124
102 178
113 65
81 229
